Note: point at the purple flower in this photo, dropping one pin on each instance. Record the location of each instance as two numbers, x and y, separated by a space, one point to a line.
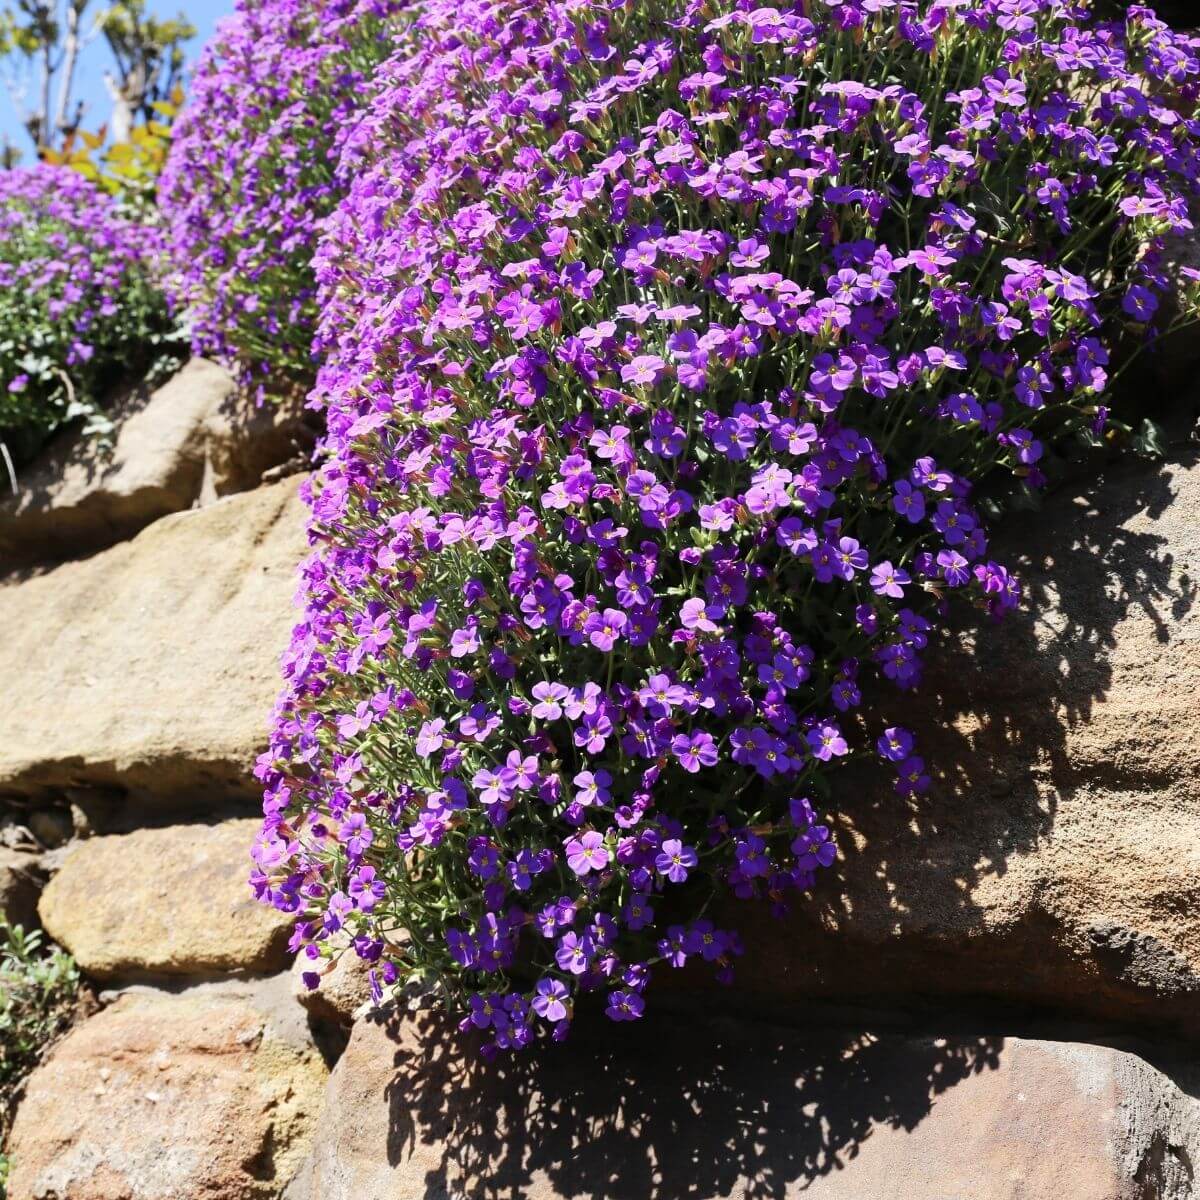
750 851
660 695
356 835
887 580
693 614
574 953
643 452
895 744
908 502
366 888
550 1000
495 787
549 697
604 629
592 787
849 557
587 853
486 1011
644 370
826 742
954 567
1140 303
88 273
431 738
694 751
674 860
624 1005
464 641
247 179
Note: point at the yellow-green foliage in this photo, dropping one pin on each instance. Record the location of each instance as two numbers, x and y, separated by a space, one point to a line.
126 170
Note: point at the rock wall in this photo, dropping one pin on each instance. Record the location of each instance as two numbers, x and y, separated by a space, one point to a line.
146 599
994 997
1057 862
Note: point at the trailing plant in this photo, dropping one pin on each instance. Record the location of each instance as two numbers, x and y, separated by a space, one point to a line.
675 356
250 175
81 308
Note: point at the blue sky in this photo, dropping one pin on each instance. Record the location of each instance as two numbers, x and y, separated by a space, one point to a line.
204 14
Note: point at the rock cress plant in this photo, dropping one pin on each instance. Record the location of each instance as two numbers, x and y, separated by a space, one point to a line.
667 348
81 310
251 173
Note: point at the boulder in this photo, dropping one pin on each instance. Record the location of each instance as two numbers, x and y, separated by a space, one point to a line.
182 905
1056 860
191 440
152 666
706 1108
20 883
160 1097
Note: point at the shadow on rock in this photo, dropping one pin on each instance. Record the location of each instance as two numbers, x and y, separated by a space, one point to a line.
664 1109
1061 779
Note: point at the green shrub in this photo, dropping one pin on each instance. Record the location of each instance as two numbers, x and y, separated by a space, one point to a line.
38 988
81 310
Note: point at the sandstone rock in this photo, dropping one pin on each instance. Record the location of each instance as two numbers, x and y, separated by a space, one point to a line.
706 1109
1057 859
170 901
244 440
20 884
342 992
80 494
152 666
193 439
168 1098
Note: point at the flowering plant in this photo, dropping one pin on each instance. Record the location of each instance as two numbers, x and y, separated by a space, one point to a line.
81 309
250 175
674 353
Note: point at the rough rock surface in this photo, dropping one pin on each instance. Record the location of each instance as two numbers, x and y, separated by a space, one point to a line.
191 440
20 884
1057 859
342 992
152 666
170 901
192 1097
708 1109
80 494
244 440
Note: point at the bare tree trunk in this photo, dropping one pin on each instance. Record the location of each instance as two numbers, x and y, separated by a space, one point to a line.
41 20
71 47
121 125
40 125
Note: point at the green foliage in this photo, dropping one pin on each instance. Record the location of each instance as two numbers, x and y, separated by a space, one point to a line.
147 46
39 984
28 26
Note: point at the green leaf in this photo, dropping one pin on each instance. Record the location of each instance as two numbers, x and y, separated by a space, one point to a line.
1150 441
